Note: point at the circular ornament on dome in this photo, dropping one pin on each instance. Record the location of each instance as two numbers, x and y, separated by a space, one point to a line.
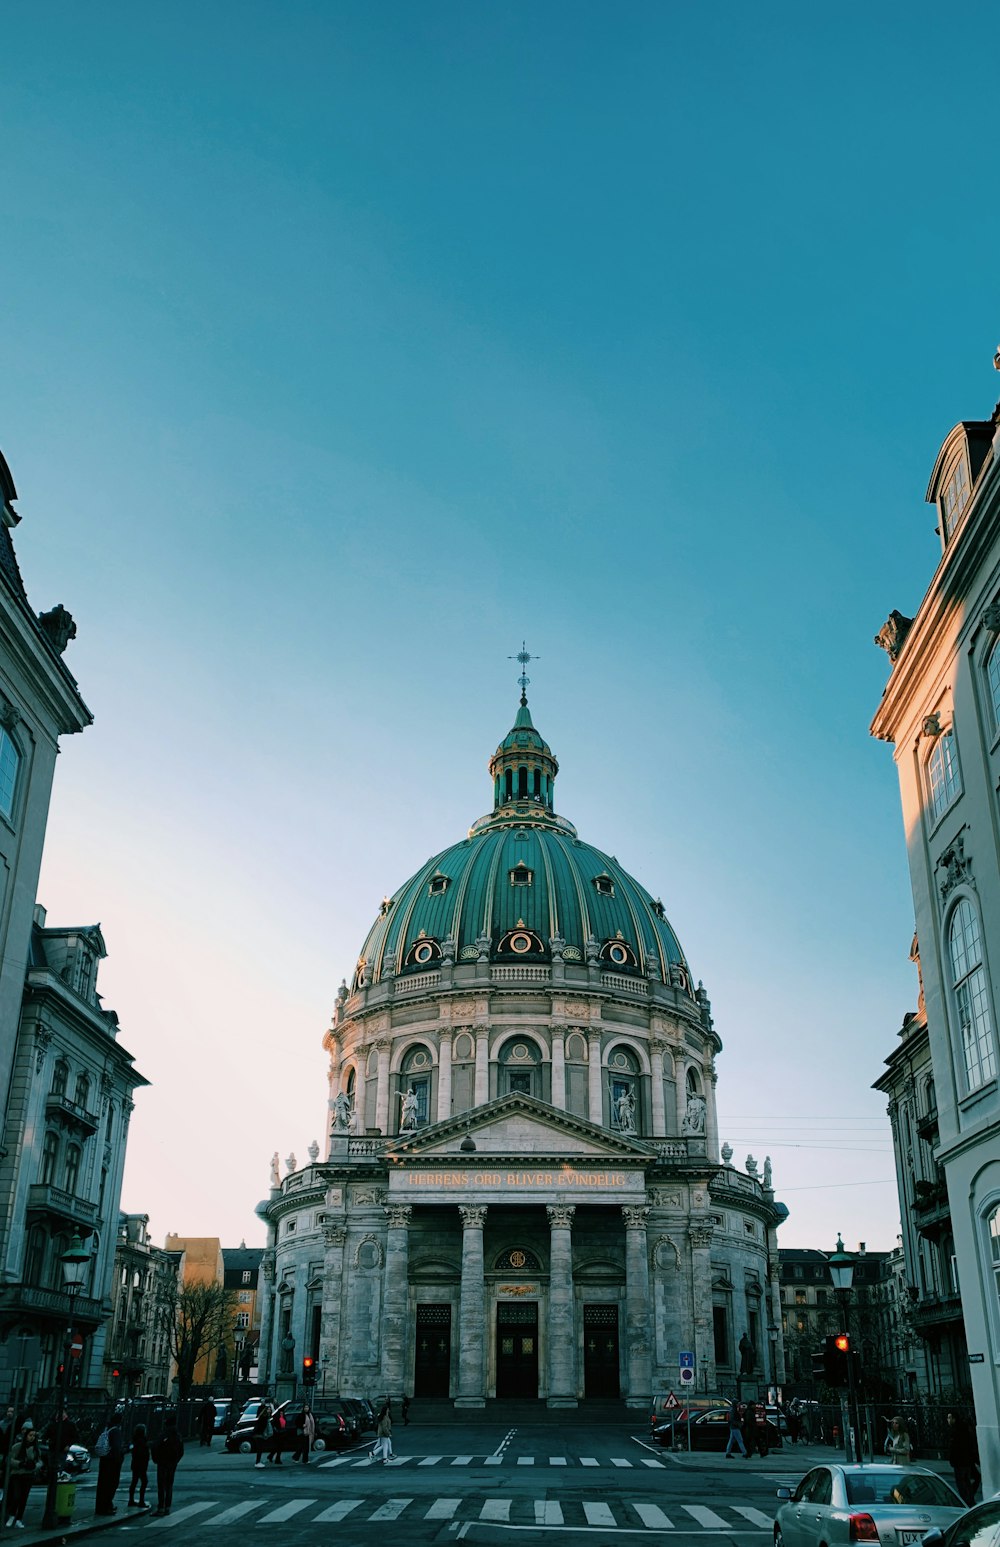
423 953
419 1059
520 1051
618 955
517 1258
620 1061
520 942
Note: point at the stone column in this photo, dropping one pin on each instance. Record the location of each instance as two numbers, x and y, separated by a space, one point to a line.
680 1080
559 1068
472 1310
561 1320
659 1111
482 1092
444 1075
700 1236
394 1299
595 1085
711 1118
382 1088
334 1237
265 1353
638 1350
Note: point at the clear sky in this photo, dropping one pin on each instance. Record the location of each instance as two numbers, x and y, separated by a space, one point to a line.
345 344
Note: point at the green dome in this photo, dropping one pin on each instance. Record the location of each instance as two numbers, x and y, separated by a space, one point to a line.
523 887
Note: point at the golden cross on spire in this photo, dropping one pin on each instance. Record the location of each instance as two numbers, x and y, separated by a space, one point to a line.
523 657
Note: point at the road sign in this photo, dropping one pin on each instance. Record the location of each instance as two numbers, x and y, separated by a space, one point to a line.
671 1400
687 1376
76 1347
686 1361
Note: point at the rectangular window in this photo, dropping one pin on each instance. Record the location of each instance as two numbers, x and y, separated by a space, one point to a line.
244 1297
247 1276
720 1322
955 496
942 774
242 1320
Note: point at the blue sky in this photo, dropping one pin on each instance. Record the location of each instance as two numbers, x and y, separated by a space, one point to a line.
347 344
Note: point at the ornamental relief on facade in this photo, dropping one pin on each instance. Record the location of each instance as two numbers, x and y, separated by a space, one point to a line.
663 1198
368 1253
360 1196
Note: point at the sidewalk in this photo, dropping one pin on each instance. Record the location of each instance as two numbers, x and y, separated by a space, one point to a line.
790 1458
84 1522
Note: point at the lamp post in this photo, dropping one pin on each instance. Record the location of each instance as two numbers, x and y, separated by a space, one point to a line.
772 1338
238 1341
75 1261
841 1266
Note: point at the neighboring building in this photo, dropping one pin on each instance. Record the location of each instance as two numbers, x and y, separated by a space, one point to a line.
137 1356
68 1114
811 1312
522 1194
242 1276
941 711
199 1261
39 702
928 1287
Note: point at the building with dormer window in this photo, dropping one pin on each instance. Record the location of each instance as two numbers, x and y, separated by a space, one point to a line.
941 713
522 1193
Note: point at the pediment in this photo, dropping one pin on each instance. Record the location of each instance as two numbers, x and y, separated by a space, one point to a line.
518 1125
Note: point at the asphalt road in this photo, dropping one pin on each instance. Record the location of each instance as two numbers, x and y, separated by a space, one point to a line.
473 1482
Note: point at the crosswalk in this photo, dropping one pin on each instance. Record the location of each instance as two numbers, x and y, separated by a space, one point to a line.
352 1459
620 1515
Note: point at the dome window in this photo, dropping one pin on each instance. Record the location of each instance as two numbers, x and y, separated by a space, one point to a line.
438 884
423 952
522 874
521 942
617 953
605 886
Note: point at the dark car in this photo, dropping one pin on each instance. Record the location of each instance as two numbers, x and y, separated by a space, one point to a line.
332 1432
705 1430
357 1413
979 1527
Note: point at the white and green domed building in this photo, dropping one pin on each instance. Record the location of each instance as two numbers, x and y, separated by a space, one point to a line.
522 1193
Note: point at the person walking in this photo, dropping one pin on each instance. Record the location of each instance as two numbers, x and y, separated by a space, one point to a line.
109 1470
305 1434
383 1442
899 1447
406 1410
735 1432
760 1428
792 1413
25 1458
261 1430
279 1424
166 1454
140 1468
963 1454
206 1422
62 1432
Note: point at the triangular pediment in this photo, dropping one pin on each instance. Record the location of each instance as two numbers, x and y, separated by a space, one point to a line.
517 1125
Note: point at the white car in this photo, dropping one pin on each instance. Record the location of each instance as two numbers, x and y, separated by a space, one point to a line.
834 1506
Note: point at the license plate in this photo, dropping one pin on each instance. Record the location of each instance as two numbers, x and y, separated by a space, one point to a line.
906 1537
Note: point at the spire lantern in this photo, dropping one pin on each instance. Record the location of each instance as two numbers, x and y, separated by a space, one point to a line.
523 766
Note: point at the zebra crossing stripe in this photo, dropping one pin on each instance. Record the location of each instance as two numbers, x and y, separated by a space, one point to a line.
429 1461
652 1516
337 1511
286 1511
237 1512
620 1461
339 1461
706 1517
548 1512
557 1461
391 1509
589 1461
599 1515
442 1509
496 1509
176 1516
756 1517
651 1461
525 1460
493 1461
461 1461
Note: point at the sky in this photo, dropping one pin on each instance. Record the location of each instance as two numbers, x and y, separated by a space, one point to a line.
346 345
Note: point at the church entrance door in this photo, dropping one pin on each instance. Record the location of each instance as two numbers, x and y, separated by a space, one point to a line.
600 1351
517 1349
432 1365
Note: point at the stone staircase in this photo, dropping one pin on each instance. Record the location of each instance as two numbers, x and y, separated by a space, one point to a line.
515 1412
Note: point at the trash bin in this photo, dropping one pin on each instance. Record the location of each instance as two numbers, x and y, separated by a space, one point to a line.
65 1502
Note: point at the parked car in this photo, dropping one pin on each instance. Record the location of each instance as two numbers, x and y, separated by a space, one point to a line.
357 1413
662 1412
332 1431
706 1430
979 1527
836 1505
223 1415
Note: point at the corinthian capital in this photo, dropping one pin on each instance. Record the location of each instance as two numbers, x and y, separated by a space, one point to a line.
560 1215
473 1215
334 1234
398 1215
701 1235
635 1216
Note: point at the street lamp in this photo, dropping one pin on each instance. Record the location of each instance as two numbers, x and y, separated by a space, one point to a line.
841 1266
75 1262
772 1338
239 1337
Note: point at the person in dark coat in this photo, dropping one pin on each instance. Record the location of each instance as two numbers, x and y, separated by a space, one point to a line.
109 1470
406 1410
166 1454
25 1458
261 1430
963 1454
140 1468
206 1422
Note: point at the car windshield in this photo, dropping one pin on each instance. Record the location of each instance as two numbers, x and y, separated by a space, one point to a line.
902 1487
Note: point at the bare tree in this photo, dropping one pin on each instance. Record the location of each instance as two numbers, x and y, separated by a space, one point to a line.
196 1318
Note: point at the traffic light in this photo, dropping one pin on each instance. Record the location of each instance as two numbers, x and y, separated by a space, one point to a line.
308 1371
819 1364
838 1354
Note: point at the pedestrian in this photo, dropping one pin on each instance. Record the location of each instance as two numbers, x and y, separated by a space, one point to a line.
406 1410
898 1445
305 1433
166 1454
25 1459
206 1422
794 1415
279 1423
109 1470
735 1434
383 1429
62 1432
963 1454
760 1428
140 1468
261 1430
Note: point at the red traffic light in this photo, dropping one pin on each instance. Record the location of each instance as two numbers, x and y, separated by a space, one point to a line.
842 1343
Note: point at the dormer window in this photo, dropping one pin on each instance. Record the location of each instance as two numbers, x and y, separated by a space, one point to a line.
423 952
439 884
522 874
954 496
617 953
605 886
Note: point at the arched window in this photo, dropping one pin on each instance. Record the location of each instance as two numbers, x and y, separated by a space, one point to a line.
971 996
10 762
993 1237
519 1071
82 1094
72 1173
415 1075
993 681
944 781
60 1076
623 1072
50 1158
